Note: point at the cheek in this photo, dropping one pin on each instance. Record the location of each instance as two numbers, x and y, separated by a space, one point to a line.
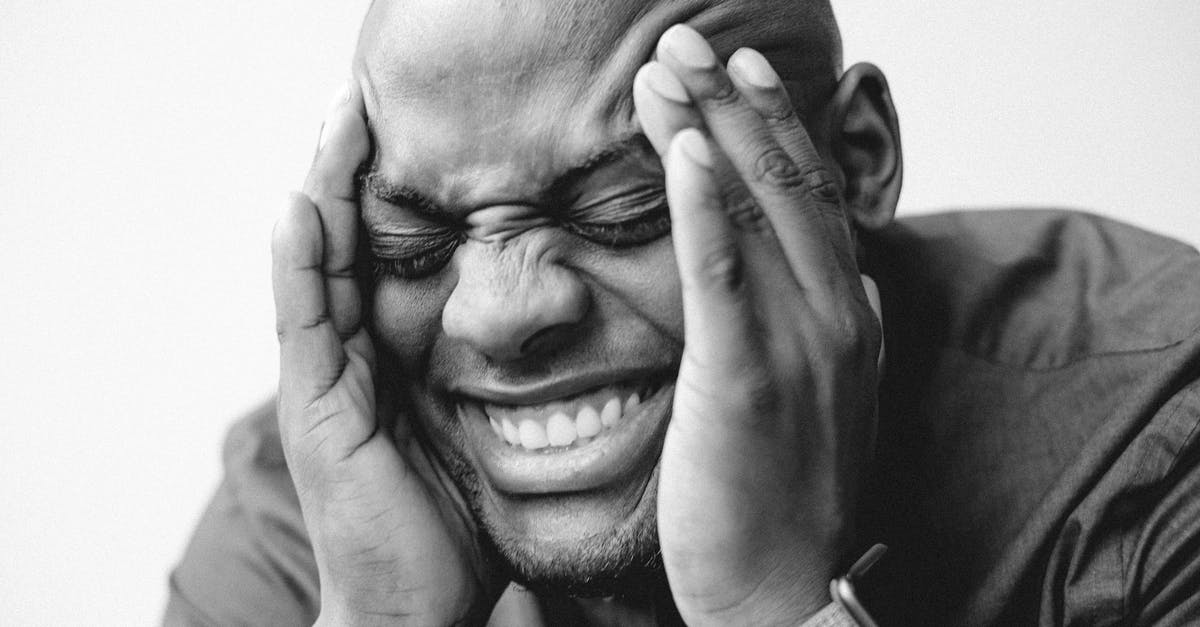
646 280
406 326
407 316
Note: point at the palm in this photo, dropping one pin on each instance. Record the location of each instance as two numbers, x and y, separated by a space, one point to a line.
393 527
773 411
389 534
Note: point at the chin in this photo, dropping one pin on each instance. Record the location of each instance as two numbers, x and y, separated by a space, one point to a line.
568 514
581 547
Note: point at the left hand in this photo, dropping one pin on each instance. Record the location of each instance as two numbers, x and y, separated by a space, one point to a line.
775 404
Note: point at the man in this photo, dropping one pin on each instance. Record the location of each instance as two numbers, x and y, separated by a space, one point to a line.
582 296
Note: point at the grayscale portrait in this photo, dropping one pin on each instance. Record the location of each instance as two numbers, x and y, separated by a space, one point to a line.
638 312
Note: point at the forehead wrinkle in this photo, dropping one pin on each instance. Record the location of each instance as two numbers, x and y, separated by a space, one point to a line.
612 95
548 93
515 43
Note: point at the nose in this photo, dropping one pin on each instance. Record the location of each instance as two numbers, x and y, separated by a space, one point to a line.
508 303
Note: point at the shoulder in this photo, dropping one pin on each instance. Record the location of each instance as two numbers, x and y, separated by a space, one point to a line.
249 560
1040 288
1042 370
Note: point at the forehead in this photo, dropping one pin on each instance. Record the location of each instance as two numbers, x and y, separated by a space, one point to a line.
510 91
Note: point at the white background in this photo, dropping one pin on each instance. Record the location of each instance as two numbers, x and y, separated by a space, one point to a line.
145 147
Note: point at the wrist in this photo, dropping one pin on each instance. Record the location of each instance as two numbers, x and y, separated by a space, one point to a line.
822 593
789 598
810 596
332 617
340 615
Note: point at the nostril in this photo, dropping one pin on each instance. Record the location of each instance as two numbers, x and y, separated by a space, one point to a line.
544 337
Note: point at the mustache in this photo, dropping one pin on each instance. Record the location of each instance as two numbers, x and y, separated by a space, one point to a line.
452 365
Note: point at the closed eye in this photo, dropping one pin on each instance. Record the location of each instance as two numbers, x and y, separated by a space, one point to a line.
412 256
637 230
631 220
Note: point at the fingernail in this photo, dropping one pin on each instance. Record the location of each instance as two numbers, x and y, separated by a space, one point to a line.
695 147
688 47
752 66
663 82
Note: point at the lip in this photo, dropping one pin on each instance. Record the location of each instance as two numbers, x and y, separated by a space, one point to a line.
622 452
551 391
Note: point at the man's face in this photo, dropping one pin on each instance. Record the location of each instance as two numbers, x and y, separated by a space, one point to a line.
528 292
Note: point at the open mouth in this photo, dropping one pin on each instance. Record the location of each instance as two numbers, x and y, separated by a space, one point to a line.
569 442
567 422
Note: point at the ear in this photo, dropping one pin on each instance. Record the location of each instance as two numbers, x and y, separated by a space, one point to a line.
864 139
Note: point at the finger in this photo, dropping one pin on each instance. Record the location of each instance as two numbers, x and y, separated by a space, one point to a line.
775 180
319 375
712 266
662 105
332 185
764 92
872 291
664 111
311 354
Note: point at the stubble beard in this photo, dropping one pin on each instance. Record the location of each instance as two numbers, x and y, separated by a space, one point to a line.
623 563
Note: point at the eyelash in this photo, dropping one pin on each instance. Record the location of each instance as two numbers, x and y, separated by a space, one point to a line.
639 230
419 265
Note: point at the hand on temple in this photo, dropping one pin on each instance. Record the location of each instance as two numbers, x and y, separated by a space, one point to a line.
393 540
775 405
774 408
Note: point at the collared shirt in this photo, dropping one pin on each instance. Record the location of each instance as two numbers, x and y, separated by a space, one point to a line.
1037 459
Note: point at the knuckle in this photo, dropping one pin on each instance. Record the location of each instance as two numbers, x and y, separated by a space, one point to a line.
857 337
846 333
722 268
753 395
820 184
285 327
780 113
320 191
721 94
315 321
757 392
775 167
743 211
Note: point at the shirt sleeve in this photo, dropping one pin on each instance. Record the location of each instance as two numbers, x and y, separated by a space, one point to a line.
249 561
1132 557
1162 556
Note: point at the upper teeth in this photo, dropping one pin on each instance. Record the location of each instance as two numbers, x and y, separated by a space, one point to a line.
561 428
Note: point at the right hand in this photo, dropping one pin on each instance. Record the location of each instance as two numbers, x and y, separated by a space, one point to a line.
394 541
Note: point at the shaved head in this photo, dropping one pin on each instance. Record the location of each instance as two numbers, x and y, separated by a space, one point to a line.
583 52
488 109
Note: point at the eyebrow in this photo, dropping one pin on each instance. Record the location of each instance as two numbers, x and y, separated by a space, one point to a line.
409 197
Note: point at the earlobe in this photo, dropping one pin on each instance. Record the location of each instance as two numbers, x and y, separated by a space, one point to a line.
865 142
